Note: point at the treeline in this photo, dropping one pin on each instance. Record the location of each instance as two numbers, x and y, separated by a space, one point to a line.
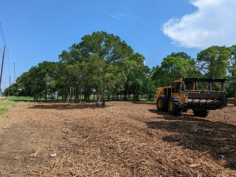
103 65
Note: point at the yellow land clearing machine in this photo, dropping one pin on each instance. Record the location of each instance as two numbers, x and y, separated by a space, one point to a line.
200 95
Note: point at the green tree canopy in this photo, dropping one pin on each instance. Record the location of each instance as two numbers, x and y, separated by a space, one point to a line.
173 67
213 61
106 61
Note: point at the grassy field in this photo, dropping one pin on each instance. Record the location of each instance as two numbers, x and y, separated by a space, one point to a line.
5 106
230 100
20 98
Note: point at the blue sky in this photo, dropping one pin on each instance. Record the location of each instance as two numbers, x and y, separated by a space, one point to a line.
38 30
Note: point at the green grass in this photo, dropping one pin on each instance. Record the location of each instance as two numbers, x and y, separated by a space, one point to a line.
5 106
20 98
230 100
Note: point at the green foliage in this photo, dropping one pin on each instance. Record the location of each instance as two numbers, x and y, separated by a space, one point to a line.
104 64
173 67
12 90
182 55
100 61
213 61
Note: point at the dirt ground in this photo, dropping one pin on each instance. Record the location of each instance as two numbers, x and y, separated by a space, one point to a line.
122 139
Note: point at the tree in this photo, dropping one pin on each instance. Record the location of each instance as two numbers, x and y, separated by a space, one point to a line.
38 80
136 76
149 88
173 67
182 55
12 90
213 61
104 57
232 70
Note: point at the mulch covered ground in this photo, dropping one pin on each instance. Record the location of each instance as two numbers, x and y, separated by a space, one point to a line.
122 139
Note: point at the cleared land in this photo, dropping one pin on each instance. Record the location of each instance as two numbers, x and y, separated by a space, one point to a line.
122 139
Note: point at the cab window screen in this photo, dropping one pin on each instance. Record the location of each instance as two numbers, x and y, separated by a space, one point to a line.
175 87
189 85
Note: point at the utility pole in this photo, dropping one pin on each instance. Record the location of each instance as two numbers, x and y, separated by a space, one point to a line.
2 67
14 73
234 80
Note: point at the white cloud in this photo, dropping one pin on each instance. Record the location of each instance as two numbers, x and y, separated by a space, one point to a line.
118 16
124 17
113 16
214 23
121 15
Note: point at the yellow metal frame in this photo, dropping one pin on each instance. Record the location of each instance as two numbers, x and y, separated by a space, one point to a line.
160 91
194 85
181 85
159 103
171 106
207 87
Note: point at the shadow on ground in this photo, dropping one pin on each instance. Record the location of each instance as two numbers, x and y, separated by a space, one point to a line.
216 138
21 100
143 102
64 106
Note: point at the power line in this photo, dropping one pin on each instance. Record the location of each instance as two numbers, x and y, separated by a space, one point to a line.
2 67
7 58
14 73
3 37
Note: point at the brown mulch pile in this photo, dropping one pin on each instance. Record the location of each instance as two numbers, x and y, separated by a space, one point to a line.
122 139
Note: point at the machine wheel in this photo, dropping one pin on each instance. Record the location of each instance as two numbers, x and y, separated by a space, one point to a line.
173 106
162 103
201 113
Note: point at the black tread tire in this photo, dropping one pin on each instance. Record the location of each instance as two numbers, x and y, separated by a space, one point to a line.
164 106
201 113
176 106
185 110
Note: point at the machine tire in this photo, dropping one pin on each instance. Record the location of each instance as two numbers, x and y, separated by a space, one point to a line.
185 110
174 106
201 113
162 103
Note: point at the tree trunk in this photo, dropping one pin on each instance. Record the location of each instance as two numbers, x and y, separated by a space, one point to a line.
76 94
65 97
80 96
98 99
69 95
36 97
94 96
125 96
234 94
45 95
136 95
103 99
